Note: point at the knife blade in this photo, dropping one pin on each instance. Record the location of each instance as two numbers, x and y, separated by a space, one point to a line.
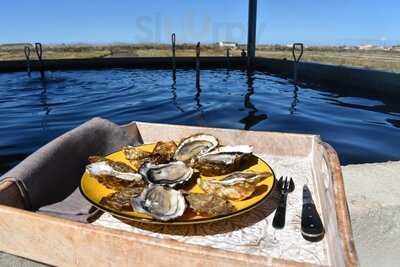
312 228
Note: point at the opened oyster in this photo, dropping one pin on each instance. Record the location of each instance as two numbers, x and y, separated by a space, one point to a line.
170 174
163 152
137 156
236 186
113 174
222 160
121 200
162 203
135 153
166 150
209 205
195 145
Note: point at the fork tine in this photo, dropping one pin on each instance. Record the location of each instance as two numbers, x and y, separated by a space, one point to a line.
280 183
286 184
291 185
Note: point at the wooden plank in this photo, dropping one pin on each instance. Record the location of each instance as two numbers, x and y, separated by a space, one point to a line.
343 216
64 243
263 142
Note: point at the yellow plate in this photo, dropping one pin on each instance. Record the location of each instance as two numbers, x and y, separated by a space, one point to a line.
94 192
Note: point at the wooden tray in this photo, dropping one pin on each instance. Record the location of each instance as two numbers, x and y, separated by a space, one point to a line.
64 243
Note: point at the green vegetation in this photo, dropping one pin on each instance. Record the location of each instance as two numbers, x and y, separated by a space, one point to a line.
373 58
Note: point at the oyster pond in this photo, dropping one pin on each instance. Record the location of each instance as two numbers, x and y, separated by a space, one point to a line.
361 128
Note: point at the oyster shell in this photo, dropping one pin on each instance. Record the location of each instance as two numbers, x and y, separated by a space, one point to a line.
222 160
209 205
195 145
121 200
236 186
114 175
162 203
170 174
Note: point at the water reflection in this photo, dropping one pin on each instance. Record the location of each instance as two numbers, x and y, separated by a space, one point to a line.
295 101
44 105
252 118
394 123
227 75
197 98
173 91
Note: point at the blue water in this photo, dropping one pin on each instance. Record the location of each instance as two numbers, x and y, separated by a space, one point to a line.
362 128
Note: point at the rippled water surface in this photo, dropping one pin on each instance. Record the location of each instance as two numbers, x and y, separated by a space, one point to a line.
362 128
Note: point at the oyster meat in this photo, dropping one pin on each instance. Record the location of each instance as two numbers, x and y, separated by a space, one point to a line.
112 174
195 145
163 152
135 153
136 156
121 200
223 160
170 174
209 205
166 151
159 202
236 186
105 167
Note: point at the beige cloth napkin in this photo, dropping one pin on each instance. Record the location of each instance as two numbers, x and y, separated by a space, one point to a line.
51 175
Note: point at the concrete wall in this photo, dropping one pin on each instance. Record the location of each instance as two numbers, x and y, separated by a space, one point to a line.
336 77
323 75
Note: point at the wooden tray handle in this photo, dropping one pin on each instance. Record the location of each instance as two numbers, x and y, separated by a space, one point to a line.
342 210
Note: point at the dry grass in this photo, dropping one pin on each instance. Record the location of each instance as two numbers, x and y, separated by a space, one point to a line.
377 59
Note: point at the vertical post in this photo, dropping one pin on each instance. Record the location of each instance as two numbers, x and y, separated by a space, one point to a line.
251 34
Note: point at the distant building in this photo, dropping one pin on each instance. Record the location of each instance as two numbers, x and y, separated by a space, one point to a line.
367 47
395 48
228 44
291 45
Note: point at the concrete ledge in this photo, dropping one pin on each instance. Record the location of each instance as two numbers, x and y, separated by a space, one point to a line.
11 260
373 195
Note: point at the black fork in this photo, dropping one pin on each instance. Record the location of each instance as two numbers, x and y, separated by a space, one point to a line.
285 186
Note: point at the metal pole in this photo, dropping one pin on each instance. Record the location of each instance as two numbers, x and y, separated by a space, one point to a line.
198 65
173 40
252 28
228 62
39 53
27 51
296 59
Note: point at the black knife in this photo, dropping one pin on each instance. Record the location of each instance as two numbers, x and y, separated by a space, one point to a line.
312 228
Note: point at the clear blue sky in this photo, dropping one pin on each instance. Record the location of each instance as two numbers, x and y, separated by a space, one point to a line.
285 21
